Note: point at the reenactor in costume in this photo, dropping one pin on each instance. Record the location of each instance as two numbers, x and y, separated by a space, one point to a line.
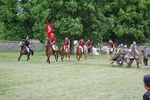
134 55
66 44
146 55
25 43
81 44
89 45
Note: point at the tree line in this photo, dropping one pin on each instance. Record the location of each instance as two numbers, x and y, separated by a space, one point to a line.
123 21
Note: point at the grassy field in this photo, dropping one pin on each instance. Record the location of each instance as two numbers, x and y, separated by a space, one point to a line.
91 79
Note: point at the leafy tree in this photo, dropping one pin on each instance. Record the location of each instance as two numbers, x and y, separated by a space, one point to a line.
120 20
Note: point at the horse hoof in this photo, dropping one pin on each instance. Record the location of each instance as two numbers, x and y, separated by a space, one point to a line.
18 59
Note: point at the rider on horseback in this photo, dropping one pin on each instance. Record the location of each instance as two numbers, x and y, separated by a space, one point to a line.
25 43
89 45
52 41
66 44
81 44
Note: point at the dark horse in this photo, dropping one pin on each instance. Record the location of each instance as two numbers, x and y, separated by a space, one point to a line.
23 51
64 53
79 52
49 51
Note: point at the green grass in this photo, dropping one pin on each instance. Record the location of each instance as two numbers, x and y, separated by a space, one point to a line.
91 79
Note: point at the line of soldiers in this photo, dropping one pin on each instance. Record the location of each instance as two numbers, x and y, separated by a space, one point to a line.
123 54
82 44
52 41
66 43
119 55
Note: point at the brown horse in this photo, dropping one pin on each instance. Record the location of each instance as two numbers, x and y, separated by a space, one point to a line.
23 51
64 53
79 53
49 51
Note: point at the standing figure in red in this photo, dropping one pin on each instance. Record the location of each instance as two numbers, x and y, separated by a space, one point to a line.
111 46
66 44
89 45
81 45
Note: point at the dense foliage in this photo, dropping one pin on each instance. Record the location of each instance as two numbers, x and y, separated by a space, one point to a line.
120 20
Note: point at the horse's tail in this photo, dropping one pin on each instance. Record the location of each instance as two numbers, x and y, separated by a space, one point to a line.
32 52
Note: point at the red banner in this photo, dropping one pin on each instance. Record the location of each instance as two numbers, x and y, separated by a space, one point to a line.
49 29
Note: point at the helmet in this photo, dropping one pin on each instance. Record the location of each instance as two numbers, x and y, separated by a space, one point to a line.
125 46
134 42
66 38
110 41
121 44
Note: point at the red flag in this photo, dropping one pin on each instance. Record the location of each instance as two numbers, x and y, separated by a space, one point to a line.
49 29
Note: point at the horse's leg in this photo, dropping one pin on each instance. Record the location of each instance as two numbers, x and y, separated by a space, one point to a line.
68 56
57 56
19 57
28 57
31 52
62 57
77 57
80 55
85 56
48 61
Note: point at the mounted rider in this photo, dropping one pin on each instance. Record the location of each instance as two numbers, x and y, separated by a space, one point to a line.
52 41
81 45
25 43
89 45
66 44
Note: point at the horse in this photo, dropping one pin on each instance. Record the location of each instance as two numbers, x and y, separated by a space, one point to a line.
79 52
64 53
49 51
24 51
